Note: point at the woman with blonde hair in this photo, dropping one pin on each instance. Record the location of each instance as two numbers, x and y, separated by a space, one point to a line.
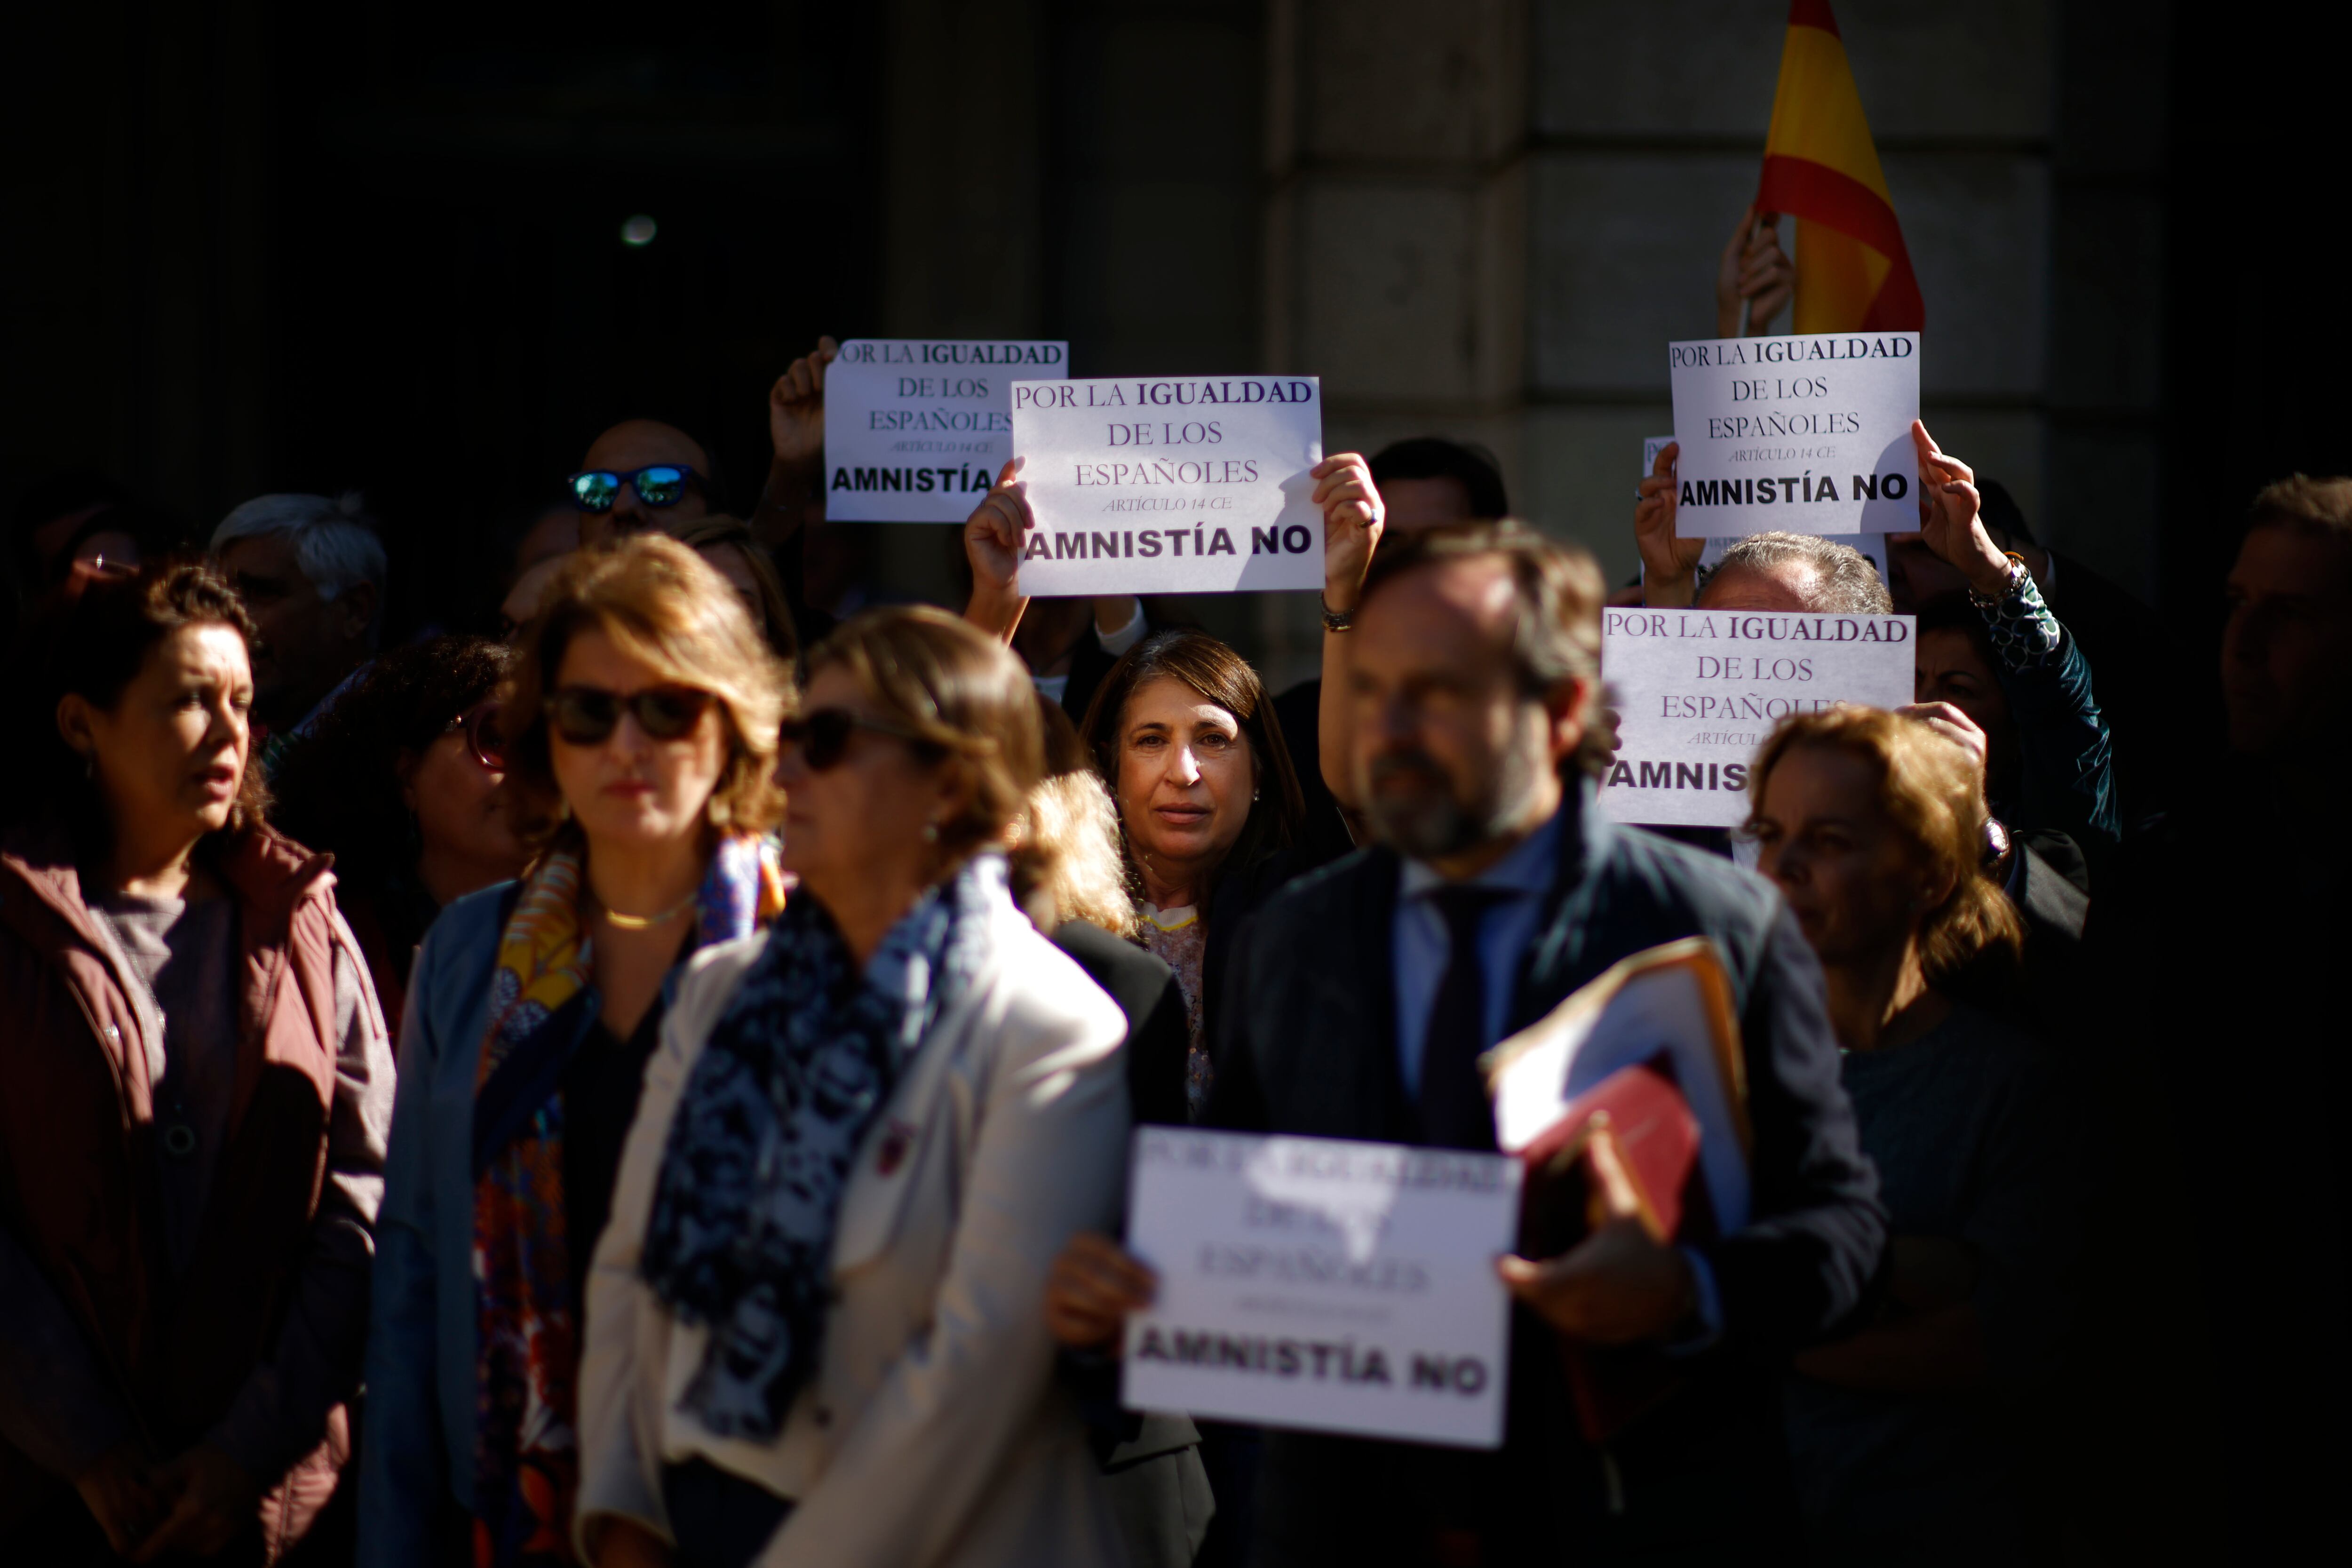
643 718
1871 824
813 1334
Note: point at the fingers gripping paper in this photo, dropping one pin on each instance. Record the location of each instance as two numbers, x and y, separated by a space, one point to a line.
1194 485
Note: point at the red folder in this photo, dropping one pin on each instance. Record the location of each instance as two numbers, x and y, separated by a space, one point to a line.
1629 1145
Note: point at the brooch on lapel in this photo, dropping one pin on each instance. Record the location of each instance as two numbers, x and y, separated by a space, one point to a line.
897 1136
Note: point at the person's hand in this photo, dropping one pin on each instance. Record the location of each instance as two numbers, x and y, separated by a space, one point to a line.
1094 1286
1617 1286
207 1498
1949 521
624 1543
796 407
1353 517
1954 726
1755 270
992 538
1669 565
119 1495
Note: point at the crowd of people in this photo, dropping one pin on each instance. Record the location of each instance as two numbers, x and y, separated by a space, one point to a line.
648 1081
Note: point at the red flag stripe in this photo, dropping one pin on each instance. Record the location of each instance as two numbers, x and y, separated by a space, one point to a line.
1817 193
1812 13
1897 307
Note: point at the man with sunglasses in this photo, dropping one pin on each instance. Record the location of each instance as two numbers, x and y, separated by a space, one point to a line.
639 475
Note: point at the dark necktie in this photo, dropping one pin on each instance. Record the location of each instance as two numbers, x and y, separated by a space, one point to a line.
1454 1110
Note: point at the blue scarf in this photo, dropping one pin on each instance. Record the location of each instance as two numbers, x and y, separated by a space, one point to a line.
795 1073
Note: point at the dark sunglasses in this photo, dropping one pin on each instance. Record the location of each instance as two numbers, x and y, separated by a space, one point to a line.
823 736
657 485
486 737
587 715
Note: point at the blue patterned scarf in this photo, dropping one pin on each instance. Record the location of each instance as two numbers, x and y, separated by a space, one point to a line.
795 1073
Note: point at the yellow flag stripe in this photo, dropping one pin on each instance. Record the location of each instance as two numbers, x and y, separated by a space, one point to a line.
1817 114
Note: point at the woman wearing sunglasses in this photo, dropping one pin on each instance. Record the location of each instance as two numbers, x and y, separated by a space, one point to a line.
640 758
813 1334
401 785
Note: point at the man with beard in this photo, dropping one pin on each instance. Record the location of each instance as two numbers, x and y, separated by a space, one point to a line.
1362 998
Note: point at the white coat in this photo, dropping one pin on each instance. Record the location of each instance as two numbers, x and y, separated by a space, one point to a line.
934 1431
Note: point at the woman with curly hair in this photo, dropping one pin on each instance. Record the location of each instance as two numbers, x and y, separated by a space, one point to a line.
402 783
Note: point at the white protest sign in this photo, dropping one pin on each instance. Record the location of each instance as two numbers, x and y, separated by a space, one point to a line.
1696 692
1810 434
916 428
1872 546
1317 1283
1173 485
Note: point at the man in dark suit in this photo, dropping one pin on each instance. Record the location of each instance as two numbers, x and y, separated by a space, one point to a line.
1362 998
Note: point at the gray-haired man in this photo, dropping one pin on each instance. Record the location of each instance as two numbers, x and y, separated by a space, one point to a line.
311 571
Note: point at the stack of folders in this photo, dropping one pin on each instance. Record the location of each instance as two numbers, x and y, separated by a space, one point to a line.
1629 1101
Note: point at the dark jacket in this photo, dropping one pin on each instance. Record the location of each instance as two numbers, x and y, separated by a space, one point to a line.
77 1078
1150 1461
2147 682
1146 991
1308 1046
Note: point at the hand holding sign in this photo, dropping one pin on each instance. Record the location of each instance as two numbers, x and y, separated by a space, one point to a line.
1094 1284
796 407
1353 517
1950 518
992 544
1669 564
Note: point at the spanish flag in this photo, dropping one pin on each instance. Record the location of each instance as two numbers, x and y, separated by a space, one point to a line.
1822 168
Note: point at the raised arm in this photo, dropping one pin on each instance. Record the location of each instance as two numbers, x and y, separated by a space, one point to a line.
1669 565
993 537
2064 738
1353 517
795 485
1754 277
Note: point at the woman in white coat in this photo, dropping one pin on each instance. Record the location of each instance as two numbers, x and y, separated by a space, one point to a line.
813 1334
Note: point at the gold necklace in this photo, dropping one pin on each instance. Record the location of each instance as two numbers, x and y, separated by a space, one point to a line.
620 922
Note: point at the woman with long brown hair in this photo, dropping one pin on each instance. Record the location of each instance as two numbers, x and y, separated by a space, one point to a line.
1904 1434
641 724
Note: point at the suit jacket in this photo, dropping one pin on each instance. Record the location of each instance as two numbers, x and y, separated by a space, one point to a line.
932 1431
1309 1045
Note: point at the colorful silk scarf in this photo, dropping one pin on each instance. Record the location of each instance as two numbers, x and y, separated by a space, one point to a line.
542 1004
794 1074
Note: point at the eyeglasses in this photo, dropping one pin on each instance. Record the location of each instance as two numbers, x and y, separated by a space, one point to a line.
823 735
657 485
587 715
486 736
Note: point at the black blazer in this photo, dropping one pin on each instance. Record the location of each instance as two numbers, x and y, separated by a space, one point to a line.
1307 1045
1157 1034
